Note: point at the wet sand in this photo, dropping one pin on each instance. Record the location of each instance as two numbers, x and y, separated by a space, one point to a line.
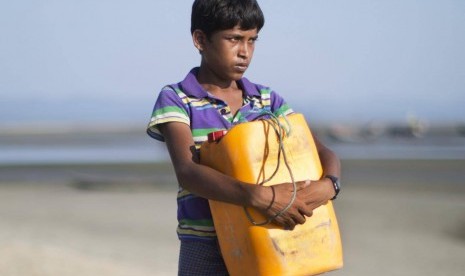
396 218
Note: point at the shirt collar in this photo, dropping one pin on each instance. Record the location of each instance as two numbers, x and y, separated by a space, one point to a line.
191 87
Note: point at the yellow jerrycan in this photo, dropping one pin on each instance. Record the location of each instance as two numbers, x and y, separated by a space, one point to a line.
250 152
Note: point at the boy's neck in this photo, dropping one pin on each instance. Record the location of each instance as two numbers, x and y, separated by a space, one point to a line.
214 83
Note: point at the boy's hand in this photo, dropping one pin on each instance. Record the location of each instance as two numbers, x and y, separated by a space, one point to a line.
318 193
281 197
310 195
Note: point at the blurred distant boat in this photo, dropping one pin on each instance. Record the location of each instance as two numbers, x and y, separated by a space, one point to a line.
413 128
356 134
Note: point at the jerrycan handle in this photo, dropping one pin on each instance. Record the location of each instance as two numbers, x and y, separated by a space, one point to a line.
215 136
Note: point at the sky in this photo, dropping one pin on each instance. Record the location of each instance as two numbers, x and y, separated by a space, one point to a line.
104 61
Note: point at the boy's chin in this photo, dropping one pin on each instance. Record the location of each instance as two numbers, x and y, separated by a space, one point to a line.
237 76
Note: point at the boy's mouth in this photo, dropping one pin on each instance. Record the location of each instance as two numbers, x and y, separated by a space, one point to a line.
241 67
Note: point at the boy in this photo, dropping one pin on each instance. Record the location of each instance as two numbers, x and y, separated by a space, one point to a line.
212 97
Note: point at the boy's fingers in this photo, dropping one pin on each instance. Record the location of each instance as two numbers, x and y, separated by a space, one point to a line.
303 184
299 218
280 221
289 224
306 211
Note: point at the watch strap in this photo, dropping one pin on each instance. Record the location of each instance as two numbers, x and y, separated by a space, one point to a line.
336 184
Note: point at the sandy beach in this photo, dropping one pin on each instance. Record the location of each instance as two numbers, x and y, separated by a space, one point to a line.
396 217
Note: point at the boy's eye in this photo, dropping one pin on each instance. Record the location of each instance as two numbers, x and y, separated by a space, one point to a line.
253 40
236 39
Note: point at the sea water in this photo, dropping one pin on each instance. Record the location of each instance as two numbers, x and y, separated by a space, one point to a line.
80 148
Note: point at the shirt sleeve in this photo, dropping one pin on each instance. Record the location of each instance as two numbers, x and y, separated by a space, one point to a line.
279 106
169 107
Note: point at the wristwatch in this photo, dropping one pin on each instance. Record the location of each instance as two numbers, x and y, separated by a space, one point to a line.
336 184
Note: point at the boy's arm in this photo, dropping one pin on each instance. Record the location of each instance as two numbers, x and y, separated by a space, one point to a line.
320 191
329 161
211 184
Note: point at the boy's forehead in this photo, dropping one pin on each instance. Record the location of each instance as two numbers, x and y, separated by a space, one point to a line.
238 29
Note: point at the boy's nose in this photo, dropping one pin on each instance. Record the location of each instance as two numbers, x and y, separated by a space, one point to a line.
244 50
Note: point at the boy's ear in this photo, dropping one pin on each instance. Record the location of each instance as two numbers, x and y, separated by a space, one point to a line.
199 38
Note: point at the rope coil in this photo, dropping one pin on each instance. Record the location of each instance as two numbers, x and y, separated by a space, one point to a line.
281 132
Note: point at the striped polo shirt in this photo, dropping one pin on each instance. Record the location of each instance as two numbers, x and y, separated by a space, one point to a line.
189 103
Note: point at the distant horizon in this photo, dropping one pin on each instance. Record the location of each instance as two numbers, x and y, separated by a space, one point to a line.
29 127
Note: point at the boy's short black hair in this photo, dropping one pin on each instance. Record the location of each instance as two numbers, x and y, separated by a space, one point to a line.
217 15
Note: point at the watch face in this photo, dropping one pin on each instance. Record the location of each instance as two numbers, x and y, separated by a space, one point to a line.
337 184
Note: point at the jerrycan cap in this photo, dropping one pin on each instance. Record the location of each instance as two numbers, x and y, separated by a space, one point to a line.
215 136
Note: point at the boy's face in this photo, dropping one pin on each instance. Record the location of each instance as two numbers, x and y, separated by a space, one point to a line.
228 53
